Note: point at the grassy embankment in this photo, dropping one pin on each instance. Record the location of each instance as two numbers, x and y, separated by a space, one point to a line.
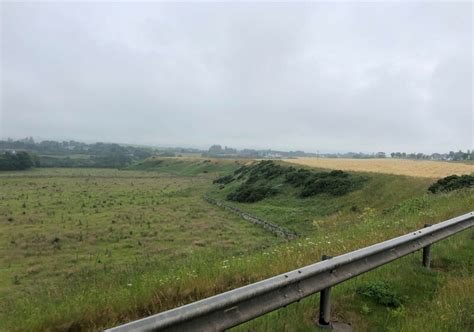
387 205
107 289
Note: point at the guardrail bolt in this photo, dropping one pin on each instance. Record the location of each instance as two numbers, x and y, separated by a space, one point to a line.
427 254
325 305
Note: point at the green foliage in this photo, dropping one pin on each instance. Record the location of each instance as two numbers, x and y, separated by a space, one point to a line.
250 193
154 244
298 177
452 182
260 180
76 154
74 230
414 205
381 293
55 161
112 159
19 160
266 170
336 183
224 180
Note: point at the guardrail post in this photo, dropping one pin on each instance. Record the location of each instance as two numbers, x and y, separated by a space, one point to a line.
325 305
427 253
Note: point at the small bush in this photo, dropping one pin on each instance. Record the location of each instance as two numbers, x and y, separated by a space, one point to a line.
260 179
251 193
381 293
298 177
266 169
328 185
240 170
224 179
452 182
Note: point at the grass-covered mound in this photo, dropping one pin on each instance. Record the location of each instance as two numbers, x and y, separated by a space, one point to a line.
264 179
452 182
186 166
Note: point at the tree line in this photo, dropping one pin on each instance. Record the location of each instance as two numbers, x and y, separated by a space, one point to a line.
21 160
450 156
228 152
69 154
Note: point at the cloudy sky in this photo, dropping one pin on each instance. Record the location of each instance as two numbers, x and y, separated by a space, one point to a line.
312 76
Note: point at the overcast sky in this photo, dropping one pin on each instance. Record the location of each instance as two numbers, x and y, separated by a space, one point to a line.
312 76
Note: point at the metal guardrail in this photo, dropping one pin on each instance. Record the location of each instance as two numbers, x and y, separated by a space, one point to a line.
237 306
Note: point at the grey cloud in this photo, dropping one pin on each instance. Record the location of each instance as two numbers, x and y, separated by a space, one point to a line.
333 77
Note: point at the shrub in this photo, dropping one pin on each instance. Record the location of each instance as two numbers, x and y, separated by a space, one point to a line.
381 293
258 181
452 182
328 185
20 160
338 173
240 170
251 193
265 169
224 179
298 177
336 183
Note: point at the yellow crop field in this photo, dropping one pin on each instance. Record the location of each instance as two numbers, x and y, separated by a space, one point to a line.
418 168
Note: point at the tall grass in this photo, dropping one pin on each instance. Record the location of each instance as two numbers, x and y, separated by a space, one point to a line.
388 206
109 300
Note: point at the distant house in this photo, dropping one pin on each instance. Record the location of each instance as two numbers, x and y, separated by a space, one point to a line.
273 155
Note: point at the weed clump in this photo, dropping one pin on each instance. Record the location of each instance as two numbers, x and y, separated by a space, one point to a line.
56 243
452 182
16 280
381 293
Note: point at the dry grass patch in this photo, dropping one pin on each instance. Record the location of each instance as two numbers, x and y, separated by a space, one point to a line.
418 168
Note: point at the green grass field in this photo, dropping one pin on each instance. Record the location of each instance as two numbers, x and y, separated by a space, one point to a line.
84 249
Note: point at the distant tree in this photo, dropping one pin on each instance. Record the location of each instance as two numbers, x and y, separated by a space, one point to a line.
36 160
6 162
228 150
20 160
24 160
215 149
141 154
